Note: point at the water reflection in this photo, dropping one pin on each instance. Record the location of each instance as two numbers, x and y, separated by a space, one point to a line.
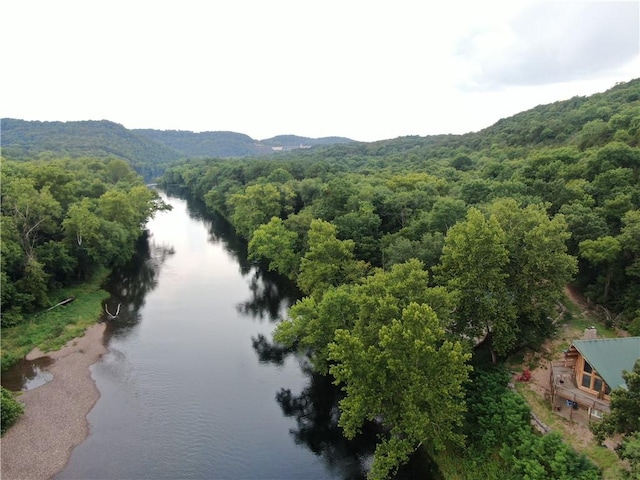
315 410
27 374
271 294
269 352
130 284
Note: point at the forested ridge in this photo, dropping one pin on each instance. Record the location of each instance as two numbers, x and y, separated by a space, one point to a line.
23 140
411 251
148 151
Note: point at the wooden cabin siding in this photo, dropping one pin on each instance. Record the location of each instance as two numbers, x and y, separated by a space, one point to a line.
589 380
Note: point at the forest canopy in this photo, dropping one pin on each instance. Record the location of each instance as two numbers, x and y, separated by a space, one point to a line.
63 220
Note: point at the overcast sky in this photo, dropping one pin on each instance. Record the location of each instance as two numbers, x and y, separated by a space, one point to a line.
368 70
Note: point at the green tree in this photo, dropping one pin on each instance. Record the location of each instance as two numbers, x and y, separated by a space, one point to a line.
410 378
35 212
603 251
539 266
275 243
473 264
363 227
328 261
258 204
312 324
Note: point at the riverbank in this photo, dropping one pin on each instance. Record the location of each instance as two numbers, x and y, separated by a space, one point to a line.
51 329
40 443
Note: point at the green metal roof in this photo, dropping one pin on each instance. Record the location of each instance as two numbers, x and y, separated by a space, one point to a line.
610 356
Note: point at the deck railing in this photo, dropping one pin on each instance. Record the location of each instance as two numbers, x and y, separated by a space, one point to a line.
562 383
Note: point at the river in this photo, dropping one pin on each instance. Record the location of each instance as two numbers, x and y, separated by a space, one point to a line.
192 386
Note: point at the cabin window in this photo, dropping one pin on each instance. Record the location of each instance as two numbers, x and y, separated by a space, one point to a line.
597 384
592 381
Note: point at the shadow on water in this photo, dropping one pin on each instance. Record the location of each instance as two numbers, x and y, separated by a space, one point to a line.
130 284
271 293
316 412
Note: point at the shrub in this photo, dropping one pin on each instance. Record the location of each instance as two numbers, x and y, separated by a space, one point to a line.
10 409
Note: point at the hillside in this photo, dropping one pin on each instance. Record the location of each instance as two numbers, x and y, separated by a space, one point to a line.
32 139
295 141
147 150
474 235
231 144
207 144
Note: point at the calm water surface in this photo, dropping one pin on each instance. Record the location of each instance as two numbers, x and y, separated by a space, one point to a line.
192 387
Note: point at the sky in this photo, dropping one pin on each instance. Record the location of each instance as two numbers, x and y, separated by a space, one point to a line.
367 70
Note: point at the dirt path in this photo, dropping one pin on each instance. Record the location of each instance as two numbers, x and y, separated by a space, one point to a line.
55 420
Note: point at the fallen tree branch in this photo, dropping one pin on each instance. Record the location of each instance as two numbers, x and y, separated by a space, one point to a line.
64 302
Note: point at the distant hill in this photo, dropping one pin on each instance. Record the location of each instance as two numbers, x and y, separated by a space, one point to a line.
291 142
582 121
207 144
231 144
32 139
147 150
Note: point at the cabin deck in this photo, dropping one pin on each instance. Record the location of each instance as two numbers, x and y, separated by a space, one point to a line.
568 400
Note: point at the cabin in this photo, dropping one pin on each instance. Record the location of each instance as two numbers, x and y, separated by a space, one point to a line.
581 383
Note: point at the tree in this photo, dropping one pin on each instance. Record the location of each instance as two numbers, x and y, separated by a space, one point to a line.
312 324
539 266
258 204
410 378
328 261
473 264
363 227
604 250
445 213
372 302
274 242
35 212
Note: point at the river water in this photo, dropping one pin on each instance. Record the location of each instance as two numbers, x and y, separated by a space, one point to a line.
192 386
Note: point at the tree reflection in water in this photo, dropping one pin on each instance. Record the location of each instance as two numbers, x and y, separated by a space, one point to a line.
271 294
269 352
130 283
316 412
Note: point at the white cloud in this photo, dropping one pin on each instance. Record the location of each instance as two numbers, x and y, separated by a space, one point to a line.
553 42
364 70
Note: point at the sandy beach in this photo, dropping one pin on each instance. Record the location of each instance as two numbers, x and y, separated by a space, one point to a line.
40 443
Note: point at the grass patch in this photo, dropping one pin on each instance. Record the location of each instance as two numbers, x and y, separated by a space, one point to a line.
51 330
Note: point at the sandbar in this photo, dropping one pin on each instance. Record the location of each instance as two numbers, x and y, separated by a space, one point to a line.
39 444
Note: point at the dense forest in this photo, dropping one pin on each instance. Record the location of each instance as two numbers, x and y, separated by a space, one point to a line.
62 221
417 254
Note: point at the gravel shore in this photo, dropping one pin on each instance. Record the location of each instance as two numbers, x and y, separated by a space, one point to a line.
39 444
